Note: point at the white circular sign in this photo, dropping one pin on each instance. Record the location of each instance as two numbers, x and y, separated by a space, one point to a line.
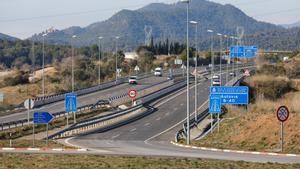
29 104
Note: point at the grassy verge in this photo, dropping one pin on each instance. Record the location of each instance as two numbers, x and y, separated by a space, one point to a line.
28 143
57 123
20 161
254 131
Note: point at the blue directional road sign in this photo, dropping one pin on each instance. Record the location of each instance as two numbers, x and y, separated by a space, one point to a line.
243 51
71 102
231 94
236 51
42 117
250 51
214 104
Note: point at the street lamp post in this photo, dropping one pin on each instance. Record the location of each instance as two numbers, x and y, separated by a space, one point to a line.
74 36
43 65
212 68
187 73
211 52
117 38
196 66
232 42
219 34
227 58
99 66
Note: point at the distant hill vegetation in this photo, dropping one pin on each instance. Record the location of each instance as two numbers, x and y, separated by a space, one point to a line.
7 37
169 21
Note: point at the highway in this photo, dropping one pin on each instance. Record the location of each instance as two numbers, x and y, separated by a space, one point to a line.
85 99
151 135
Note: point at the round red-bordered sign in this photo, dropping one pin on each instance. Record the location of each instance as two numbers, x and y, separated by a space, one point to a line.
282 113
132 93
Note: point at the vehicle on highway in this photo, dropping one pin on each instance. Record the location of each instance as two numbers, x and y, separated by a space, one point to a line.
158 71
216 80
232 74
132 80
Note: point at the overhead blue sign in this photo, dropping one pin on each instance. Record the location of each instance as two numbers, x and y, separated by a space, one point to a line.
231 94
42 117
71 102
214 104
243 51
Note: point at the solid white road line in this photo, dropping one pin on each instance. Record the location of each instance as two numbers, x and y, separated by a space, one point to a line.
132 130
147 124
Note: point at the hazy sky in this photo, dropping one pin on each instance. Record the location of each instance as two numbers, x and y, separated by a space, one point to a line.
22 18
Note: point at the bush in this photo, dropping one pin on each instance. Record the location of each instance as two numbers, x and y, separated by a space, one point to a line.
20 78
276 70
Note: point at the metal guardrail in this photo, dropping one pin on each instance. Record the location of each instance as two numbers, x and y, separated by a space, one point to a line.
20 123
99 103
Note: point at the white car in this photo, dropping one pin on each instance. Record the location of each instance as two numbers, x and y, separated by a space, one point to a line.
216 82
132 80
158 71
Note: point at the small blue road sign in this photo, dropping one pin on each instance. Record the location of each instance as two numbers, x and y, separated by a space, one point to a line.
71 102
214 104
42 117
231 94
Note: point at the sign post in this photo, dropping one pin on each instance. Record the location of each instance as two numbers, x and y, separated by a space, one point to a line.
42 118
71 105
28 104
132 93
282 116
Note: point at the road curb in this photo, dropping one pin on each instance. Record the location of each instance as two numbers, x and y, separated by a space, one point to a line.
10 149
234 151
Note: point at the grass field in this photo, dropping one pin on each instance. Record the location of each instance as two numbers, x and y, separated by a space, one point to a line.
21 161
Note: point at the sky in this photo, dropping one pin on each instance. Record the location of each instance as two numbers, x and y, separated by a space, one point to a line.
23 18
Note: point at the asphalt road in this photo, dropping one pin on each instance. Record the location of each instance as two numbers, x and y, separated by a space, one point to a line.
151 135
85 99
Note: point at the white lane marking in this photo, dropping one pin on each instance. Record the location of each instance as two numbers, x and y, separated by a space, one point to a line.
33 149
57 149
8 149
158 119
132 130
181 104
158 134
147 124
168 113
175 108
291 155
115 136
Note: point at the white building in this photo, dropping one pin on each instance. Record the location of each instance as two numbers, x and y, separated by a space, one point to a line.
131 55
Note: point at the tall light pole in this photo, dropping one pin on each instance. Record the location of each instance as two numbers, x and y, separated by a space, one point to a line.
73 37
225 36
99 66
196 66
211 52
220 35
117 38
187 73
212 68
43 66
232 42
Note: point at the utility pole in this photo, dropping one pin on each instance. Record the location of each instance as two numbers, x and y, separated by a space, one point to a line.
99 66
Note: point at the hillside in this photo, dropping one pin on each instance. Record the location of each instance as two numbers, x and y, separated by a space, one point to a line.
7 37
296 24
166 20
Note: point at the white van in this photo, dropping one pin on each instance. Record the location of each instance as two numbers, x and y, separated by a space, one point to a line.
158 71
